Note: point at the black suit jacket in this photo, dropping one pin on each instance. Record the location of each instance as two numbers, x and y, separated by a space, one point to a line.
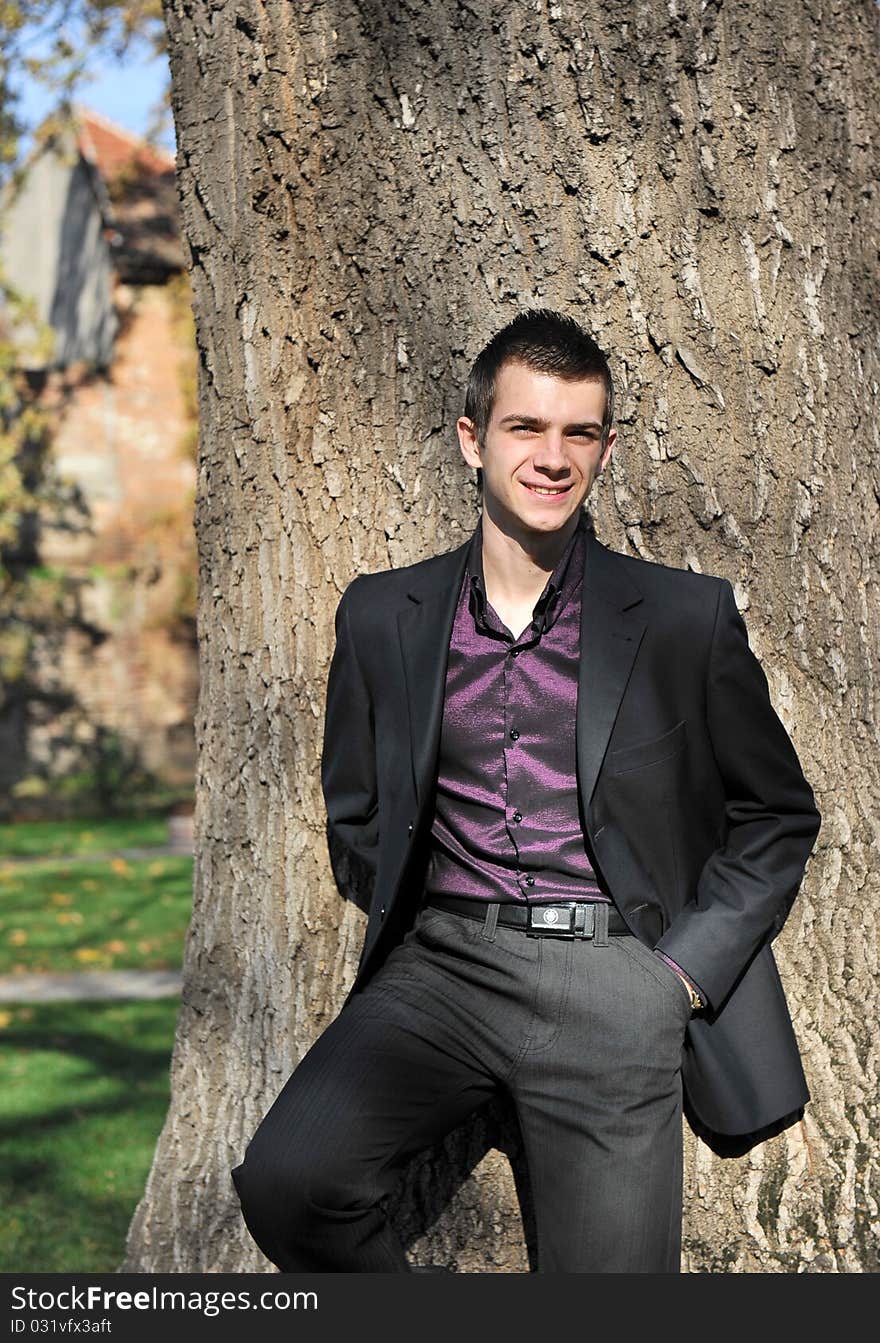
695 809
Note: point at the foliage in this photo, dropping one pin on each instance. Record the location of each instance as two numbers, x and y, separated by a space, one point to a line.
27 494
50 41
27 491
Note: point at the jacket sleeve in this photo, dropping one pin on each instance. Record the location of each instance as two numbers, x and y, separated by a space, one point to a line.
748 885
348 758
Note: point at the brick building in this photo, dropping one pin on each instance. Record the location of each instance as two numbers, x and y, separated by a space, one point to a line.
91 234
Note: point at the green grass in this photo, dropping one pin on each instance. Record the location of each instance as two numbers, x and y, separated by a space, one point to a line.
94 914
47 839
83 1096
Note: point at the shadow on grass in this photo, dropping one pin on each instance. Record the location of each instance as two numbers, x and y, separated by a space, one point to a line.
83 1095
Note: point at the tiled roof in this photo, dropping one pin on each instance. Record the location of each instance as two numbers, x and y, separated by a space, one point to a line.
139 197
113 149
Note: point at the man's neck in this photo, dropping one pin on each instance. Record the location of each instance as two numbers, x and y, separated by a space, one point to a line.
516 565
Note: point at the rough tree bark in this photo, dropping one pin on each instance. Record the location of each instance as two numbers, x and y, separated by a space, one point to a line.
369 190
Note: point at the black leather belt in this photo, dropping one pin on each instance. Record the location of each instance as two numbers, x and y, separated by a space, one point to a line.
564 918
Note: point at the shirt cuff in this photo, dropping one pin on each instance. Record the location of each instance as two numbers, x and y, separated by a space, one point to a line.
675 966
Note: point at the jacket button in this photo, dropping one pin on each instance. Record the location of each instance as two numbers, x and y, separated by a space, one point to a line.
409 829
382 912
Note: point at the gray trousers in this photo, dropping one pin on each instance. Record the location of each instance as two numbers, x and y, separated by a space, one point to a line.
585 1036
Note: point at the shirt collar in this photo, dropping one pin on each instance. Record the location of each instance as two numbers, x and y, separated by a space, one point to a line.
559 586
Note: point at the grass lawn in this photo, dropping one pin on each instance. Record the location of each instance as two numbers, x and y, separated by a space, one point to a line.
83 1086
94 913
48 839
83 1096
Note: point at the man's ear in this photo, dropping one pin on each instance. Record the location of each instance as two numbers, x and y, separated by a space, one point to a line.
607 450
467 441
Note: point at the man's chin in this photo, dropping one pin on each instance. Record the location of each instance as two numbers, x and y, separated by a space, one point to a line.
548 517
535 523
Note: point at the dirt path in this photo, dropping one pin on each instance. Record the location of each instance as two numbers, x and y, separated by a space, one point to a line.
100 855
96 985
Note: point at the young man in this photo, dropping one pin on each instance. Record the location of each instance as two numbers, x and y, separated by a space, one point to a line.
581 823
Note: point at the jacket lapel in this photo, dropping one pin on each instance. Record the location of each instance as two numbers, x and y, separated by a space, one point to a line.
425 628
612 627
611 631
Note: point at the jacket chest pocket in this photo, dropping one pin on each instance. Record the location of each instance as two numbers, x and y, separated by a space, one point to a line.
643 753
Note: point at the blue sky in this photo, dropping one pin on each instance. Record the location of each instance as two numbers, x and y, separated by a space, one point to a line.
126 91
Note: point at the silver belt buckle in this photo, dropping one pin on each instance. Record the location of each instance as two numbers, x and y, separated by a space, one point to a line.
575 920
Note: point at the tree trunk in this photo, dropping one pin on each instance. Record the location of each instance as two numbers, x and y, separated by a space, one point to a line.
369 191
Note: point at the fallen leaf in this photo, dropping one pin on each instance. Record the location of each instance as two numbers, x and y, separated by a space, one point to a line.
88 954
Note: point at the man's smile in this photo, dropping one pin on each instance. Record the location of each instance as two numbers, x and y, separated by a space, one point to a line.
546 491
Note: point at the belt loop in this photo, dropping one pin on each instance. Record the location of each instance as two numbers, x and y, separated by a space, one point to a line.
490 923
600 925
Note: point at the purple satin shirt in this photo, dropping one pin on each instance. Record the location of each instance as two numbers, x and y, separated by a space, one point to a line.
507 823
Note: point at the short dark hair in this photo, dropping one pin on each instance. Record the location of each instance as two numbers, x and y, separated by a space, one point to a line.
546 341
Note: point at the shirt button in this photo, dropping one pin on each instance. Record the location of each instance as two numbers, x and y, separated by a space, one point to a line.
530 881
514 652
517 816
514 735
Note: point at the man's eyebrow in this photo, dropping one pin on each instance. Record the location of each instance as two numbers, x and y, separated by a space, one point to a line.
535 423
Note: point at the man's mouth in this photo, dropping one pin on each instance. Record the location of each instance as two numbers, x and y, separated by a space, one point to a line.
546 490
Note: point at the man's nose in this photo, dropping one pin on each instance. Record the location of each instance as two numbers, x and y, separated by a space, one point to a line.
551 453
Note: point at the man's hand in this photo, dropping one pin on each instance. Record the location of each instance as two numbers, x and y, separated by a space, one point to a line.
696 1000
747 885
693 992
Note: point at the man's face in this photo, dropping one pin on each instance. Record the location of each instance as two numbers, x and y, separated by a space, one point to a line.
542 450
